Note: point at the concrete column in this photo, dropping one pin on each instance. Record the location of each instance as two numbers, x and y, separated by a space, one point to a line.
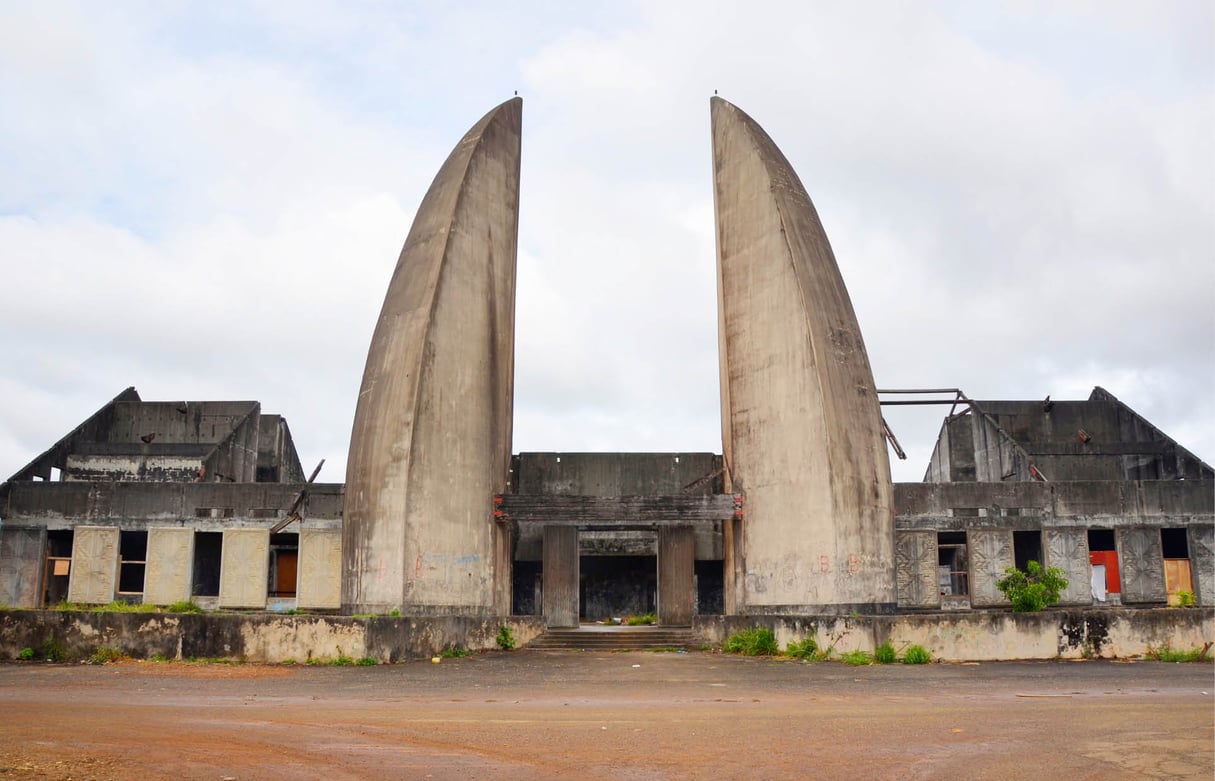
734 570
94 565
22 559
244 570
561 576
320 573
676 575
170 564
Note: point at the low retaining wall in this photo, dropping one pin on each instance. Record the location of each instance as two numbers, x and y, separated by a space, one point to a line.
989 635
262 637
252 637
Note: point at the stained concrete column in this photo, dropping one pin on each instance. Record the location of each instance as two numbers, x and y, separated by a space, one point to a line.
244 570
561 576
170 563
676 575
94 565
320 575
22 559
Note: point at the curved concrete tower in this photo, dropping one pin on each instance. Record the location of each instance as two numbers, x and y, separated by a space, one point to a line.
431 443
801 425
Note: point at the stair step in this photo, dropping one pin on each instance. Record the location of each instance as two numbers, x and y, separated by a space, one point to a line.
612 638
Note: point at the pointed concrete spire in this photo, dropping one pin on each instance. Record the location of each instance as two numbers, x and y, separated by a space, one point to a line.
801 425
431 443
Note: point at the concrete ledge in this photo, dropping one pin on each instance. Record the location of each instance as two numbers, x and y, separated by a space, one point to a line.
254 637
989 635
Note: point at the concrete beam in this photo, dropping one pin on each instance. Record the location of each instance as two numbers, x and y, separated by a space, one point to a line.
431 443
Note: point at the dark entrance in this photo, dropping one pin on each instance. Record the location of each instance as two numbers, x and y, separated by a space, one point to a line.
617 586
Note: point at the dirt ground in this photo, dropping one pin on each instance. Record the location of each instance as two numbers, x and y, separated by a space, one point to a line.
537 715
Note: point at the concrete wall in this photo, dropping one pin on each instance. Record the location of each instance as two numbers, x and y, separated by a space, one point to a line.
989 635
21 563
253 637
801 427
431 442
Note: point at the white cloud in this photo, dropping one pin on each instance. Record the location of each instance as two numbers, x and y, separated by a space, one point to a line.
207 201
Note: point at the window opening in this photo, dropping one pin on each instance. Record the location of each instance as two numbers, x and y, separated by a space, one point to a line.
1177 574
132 562
284 564
208 556
58 568
1027 547
952 569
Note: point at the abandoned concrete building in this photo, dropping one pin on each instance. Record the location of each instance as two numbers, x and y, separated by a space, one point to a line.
797 516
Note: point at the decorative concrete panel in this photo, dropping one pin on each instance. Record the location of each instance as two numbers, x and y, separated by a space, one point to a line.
1142 562
916 569
1067 549
320 573
94 565
21 566
991 552
1202 557
245 568
170 561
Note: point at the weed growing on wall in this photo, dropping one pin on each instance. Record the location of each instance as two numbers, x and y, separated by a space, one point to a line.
806 649
505 638
184 606
1186 599
916 654
26 655
1033 589
646 620
885 654
1166 653
752 642
857 658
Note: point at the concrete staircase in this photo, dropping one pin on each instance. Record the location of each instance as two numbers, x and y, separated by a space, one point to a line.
596 637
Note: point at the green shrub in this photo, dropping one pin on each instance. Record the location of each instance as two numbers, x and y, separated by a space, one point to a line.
184 606
1033 589
290 660
803 649
367 661
885 654
119 606
1186 599
455 652
916 654
394 613
26 655
857 658
752 642
505 638
646 620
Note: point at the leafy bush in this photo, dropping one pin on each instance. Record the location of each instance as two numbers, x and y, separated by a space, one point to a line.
1033 589
184 606
885 654
119 606
803 649
857 658
916 654
505 638
367 661
752 642
53 651
27 654
455 652
646 620
1186 599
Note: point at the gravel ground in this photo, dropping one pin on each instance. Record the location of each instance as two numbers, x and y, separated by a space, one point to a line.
561 715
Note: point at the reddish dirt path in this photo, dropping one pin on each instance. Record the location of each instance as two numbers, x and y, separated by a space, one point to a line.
532 715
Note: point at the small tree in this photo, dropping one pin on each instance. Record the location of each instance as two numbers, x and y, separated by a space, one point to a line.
1033 589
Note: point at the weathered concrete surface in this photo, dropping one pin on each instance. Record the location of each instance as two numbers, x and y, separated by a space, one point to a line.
94 565
21 557
990 635
320 572
431 442
801 427
561 581
253 637
245 568
170 564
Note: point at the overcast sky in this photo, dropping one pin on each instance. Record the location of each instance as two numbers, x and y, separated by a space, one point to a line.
206 201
